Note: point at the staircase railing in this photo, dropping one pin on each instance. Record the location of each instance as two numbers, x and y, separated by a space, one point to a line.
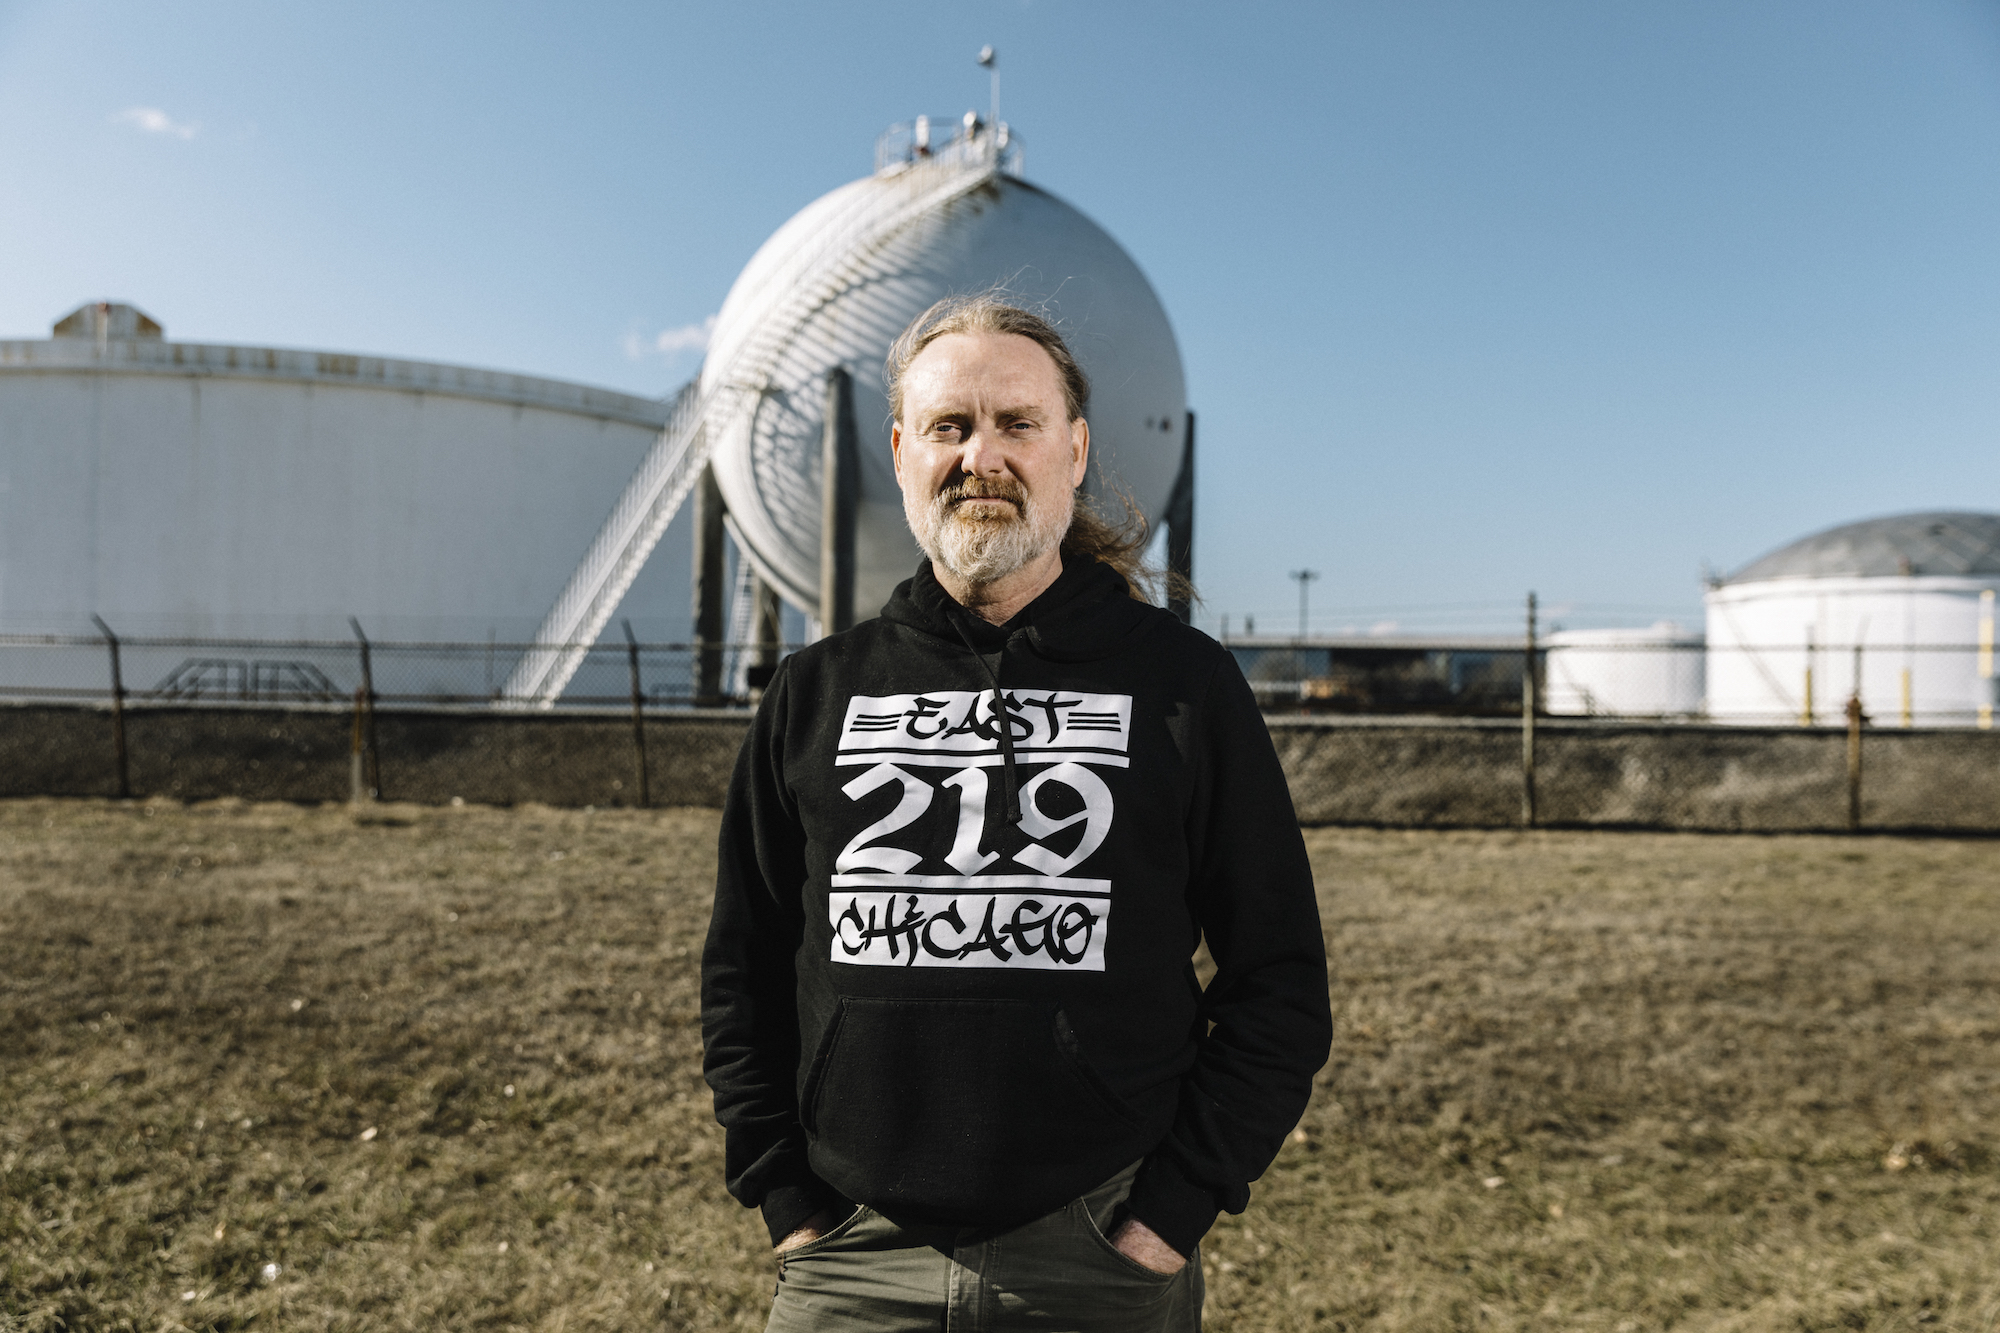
852 248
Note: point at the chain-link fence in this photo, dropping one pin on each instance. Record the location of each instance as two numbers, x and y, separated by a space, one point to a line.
1577 675
316 671
1664 734
1461 677
573 757
314 719
1654 730
1594 674
1486 773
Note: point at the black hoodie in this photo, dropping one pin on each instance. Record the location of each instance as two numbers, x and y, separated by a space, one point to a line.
911 1002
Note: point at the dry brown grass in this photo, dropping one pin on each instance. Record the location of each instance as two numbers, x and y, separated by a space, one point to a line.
1622 1081
1582 1081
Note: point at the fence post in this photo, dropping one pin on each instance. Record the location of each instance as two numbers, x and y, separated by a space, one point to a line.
365 713
1528 706
1806 714
117 708
1855 717
357 785
1854 720
638 714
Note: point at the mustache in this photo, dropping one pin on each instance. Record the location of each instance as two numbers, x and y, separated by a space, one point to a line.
950 496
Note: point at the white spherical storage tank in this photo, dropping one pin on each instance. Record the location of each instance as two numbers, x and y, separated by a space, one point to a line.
1651 672
928 223
185 489
1895 609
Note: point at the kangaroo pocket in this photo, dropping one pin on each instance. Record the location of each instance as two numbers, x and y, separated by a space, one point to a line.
961 1112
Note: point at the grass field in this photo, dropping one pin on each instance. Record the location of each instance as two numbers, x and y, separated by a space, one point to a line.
287 1068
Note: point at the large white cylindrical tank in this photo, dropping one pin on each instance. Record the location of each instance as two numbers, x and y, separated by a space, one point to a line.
182 489
1913 592
1005 232
1651 672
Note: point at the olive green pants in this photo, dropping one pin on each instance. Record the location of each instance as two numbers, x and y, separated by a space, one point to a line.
1056 1274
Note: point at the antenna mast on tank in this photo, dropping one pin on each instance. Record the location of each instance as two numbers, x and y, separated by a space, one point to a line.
990 60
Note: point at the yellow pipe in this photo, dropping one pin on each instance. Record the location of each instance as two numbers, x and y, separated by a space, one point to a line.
1986 658
1907 719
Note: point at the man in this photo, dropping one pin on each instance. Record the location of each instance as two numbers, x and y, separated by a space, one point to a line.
951 1021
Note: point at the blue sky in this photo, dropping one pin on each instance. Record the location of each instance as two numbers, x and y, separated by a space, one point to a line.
1473 298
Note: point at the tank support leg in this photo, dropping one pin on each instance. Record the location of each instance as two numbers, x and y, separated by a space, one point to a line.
1179 518
840 496
768 634
710 591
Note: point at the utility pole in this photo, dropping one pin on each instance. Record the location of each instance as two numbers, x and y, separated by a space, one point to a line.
1305 579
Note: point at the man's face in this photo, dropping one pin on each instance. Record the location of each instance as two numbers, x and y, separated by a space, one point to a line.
986 454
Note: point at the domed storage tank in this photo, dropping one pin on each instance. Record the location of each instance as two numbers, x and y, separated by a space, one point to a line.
194 489
190 488
1914 592
1651 672
829 292
930 222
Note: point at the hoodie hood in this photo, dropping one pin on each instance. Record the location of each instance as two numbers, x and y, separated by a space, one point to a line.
1085 615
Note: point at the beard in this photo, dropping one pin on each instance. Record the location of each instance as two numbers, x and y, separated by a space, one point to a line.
983 544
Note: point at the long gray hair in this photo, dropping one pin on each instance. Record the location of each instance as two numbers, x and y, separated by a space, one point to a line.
983 312
1120 544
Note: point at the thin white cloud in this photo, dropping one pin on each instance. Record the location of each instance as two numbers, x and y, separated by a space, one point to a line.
152 120
670 342
686 338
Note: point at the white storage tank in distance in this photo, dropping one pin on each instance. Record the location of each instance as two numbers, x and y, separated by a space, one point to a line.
1650 672
1894 608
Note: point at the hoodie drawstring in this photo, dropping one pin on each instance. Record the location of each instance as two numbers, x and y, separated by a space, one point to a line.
1010 782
